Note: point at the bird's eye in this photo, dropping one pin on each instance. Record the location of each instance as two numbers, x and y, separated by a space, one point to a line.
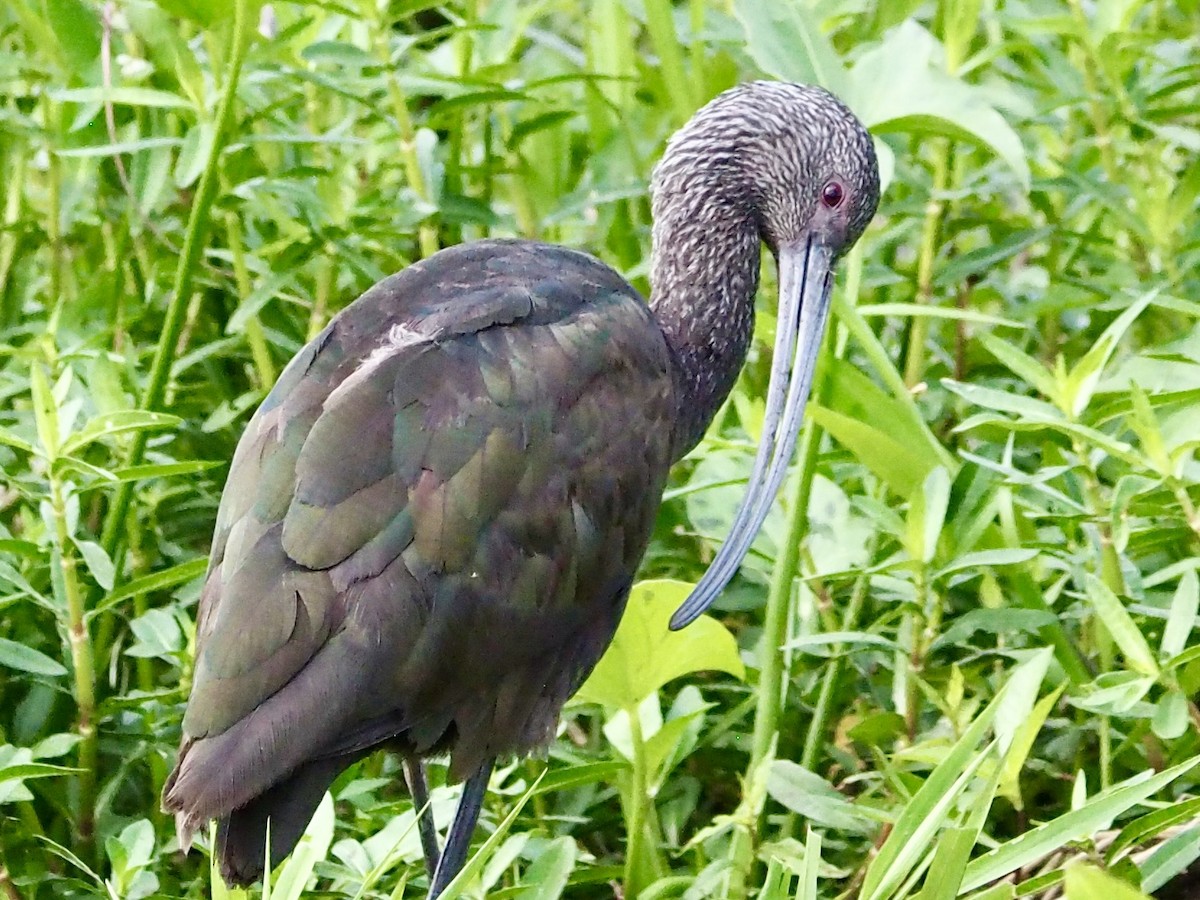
833 194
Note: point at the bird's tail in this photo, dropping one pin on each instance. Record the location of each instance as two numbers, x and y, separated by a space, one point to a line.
289 805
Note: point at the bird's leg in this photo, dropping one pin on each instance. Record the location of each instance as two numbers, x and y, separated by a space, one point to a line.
458 841
418 789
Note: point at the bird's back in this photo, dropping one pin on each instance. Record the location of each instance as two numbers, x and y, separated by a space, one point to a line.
431 524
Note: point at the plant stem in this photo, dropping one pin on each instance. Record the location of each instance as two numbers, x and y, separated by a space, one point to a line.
819 722
914 362
193 243
82 663
427 234
256 338
640 863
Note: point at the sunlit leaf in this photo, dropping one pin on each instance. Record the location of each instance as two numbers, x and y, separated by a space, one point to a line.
644 655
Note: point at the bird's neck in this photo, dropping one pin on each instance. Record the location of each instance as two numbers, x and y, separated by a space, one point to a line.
704 276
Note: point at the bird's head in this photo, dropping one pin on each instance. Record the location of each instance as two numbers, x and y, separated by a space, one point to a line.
797 162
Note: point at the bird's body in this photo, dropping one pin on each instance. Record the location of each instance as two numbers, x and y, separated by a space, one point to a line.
433 522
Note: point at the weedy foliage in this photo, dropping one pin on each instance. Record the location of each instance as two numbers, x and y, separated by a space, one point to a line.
959 661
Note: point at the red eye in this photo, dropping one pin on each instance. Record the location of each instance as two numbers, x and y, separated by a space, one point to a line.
832 195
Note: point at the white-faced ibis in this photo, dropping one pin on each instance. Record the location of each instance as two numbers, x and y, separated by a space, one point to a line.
433 521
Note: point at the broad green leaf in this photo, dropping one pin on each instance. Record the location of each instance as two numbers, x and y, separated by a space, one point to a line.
1086 882
14 655
1014 706
9 439
848 640
1113 693
896 462
21 771
97 562
163 470
551 871
644 654
1075 825
1121 626
158 634
78 33
897 86
1170 718
786 41
810 795
849 391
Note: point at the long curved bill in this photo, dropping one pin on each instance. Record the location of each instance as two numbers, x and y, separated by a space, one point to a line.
805 278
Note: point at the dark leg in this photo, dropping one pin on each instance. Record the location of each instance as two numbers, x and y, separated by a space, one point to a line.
458 841
414 774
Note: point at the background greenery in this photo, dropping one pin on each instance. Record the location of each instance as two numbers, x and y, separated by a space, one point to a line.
963 636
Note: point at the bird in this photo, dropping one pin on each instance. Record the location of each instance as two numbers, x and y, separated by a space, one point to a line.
432 523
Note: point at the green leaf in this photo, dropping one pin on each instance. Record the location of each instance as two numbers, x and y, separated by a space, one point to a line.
475 864
97 562
1021 364
1147 827
9 439
312 848
25 659
1121 626
892 460
45 410
950 855
644 655
897 86
1093 816
158 635
982 559
123 422
927 515
550 872
25 771
1085 375
122 96
923 310
785 40
1171 858
1086 882
1170 718
156 581
807 793
78 32
989 398
1182 617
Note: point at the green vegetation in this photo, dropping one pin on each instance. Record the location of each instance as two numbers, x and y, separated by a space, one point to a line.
960 648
